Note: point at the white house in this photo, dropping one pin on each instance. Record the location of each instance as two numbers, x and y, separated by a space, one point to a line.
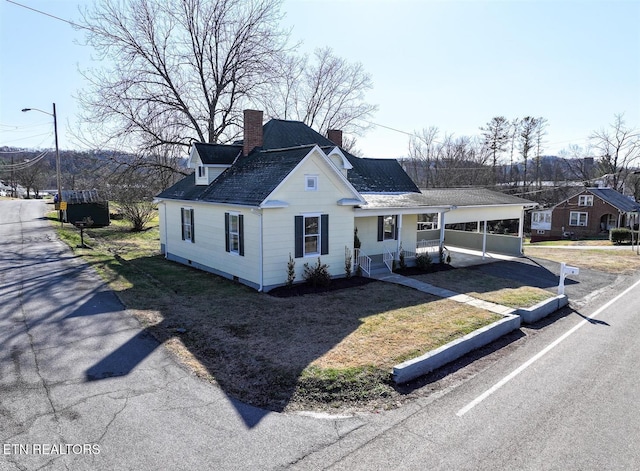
287 191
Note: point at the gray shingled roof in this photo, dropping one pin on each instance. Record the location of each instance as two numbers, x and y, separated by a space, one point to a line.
254 177
378 176
438 197
251 178
185 189
615 198
280 134
221 154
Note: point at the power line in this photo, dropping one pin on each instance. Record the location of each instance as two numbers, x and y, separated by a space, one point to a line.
47 14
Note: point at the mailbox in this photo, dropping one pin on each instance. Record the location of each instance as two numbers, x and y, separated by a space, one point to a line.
564 271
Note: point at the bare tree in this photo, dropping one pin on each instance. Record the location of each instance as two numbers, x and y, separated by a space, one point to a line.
539 133
182 70
526 141
324 91
423 150
496 137
617 148
513 136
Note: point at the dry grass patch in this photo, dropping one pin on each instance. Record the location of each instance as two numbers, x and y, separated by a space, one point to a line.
494 289
614 261
335 348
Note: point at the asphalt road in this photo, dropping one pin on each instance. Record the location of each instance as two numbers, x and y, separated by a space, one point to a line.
76 369
82 387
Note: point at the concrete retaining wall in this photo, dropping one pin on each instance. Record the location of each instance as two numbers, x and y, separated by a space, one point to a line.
533 314
428 362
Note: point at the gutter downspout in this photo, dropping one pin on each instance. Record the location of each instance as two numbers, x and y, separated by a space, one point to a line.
260 250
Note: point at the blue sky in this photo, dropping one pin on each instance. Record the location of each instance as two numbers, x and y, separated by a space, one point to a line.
453 65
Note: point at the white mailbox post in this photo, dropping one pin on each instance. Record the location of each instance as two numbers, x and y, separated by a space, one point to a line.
564 271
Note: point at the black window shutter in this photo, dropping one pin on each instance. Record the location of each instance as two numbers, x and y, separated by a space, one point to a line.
395 228
299 236
193 227
241 233
182 223
324 234
226 231
380 228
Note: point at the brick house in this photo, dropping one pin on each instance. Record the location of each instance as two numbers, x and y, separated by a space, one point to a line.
592 212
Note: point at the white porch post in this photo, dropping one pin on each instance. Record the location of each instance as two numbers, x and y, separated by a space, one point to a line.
521 229
399 218
441 227
484 239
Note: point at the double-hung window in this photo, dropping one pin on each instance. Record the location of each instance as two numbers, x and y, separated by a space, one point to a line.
311 235
577 218
585 200
234 233
188 233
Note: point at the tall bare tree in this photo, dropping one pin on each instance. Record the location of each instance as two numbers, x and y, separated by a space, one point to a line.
617 148
181 70
526 142
496 137
324 91
423 152
539 133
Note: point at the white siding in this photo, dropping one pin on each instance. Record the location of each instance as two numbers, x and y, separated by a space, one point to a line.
279 224
489 213
208 249
368 234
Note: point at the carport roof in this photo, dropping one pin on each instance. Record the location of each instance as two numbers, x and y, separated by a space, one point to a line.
443 197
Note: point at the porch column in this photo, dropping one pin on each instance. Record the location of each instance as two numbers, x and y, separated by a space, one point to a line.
399 218
441 224
521 229
484 239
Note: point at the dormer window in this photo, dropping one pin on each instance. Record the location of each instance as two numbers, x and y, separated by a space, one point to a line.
202 171
311 182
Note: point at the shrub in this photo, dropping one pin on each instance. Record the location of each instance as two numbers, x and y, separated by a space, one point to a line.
424 262
317 275
402 261
291 271
620 235
348 260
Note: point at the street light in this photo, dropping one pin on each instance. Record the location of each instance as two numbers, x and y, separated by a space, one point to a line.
55 132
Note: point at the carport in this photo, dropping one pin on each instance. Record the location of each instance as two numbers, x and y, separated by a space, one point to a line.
477 219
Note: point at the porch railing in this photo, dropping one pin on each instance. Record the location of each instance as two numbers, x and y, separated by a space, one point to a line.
428 246
362 261
388 257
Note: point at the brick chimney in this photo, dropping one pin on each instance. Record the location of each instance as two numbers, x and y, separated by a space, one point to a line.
335 136
252 130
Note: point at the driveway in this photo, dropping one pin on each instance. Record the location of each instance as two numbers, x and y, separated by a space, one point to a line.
82 387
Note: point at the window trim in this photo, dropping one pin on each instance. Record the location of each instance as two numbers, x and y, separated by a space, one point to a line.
187 226
300 235
311 178
579 214
585 200
228 233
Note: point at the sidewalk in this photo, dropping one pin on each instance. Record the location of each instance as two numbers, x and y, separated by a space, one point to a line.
444 293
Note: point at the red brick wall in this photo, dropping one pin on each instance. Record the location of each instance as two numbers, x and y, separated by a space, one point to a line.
562 213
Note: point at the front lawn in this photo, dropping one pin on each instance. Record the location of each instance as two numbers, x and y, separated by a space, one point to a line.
333 349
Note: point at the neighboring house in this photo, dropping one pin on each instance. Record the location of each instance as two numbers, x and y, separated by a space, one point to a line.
287 191
590 213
